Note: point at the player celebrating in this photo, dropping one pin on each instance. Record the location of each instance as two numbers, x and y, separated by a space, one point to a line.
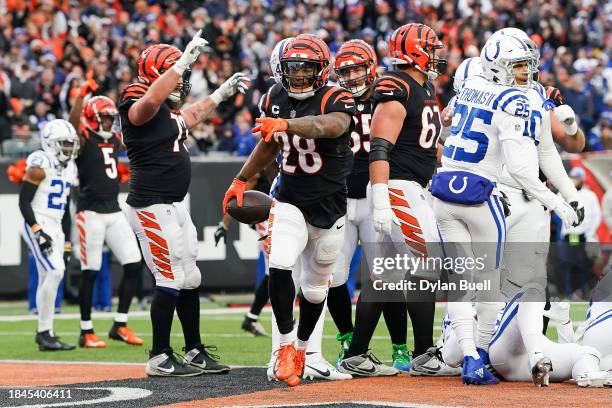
43 201
99 217
154 129
312 122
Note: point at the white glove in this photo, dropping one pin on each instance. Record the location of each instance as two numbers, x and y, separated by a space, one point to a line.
236 83
382 213
191 53
567 117
566 212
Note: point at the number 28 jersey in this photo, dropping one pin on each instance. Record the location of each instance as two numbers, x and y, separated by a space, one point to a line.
414 155
159 162
314 171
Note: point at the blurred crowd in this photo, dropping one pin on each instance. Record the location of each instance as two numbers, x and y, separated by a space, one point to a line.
47 46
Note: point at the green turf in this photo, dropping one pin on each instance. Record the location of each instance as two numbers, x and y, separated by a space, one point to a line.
234 346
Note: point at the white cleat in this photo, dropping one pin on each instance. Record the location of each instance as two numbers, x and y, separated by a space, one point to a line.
595 379
320 369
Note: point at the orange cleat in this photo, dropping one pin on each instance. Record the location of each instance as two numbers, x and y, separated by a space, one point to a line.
90 340
298 362
284 367
125 334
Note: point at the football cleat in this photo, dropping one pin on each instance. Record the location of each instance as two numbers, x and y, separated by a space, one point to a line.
484 356
366 365
201 358
596 379
46 342
299 363
253 327
90 340
475 372
345 343
125 334
317 368
540 372
430 363
401 357
167 364
284 366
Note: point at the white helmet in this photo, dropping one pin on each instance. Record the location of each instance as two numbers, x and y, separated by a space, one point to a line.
499 58
59 138
521 35
469 67
277 53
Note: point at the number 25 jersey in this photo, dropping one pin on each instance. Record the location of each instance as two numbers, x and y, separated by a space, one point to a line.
159 162
314 171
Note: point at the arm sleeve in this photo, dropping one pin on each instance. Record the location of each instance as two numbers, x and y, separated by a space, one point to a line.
26 194
516 153
552 167
67 220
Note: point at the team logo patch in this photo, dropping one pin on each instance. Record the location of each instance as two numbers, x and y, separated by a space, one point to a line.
517 127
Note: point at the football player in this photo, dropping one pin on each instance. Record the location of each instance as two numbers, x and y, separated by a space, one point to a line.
43 201
99 217
154 127
312 122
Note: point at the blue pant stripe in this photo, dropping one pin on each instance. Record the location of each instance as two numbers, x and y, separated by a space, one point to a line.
40 257
503 325
499 233
596 322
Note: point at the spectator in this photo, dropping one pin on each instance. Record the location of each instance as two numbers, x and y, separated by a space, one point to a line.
243 137
40 116
226 140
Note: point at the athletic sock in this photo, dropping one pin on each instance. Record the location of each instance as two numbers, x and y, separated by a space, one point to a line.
309 315
282 294
366 320
88 277
339 305
261 297
188 311
422 313
461 316
120 320
485 326
127 286
163 304
396 320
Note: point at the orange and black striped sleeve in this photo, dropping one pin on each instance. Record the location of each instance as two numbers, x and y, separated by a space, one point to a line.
391 88
336 99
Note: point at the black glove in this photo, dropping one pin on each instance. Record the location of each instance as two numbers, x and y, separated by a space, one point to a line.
554 95
67 253
505 203
221 232
45 243
579 208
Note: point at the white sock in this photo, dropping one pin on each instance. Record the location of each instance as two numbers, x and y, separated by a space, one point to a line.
461 315
121 317
316 338
301 344
565 332
529 321
48 282
252 316
286 338
485 327
86 325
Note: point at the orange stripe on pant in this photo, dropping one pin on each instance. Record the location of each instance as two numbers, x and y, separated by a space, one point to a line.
157 245
410 226
82 237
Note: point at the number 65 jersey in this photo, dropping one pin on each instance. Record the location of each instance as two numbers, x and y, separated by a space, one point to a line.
52 193
314 171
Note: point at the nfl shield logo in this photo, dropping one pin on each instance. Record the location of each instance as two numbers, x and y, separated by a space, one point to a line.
292 113
360 107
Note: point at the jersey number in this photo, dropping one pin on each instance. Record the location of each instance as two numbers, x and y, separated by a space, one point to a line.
430 122
182 132
533 126
55 198
308 159
357 144
464 128
109 162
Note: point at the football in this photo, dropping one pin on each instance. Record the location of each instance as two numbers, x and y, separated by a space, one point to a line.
255 207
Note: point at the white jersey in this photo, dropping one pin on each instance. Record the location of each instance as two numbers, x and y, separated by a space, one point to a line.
480 122
52 194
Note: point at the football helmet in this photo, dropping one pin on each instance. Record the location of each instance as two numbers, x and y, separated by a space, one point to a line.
275 57
99 115
157 59
59 138
416 44
305 66
521 35
355 53
503 61
469 67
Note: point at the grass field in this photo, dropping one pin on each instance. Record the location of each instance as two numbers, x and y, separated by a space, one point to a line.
223 330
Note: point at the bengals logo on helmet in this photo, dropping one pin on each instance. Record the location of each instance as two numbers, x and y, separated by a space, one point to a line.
355 53
416 44
305 52
94 111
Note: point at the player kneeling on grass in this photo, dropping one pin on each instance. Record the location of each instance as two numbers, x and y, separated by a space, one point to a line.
312 122
43 201
154 129
99 217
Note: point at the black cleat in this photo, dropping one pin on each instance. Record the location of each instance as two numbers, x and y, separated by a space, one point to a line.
200 357
167 364
46 342
253 327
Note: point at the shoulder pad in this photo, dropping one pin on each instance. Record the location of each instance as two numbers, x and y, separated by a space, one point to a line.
337 99
39 159
390 87
133 91
513 102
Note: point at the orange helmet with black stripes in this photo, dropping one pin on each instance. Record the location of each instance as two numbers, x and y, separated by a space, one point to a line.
157 59
99 114
416 44
352 54
305 66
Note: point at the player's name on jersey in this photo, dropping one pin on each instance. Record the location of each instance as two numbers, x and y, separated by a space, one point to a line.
476 96
433 286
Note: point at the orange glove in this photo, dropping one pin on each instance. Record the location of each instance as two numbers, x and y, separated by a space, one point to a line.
268 126
236 189
16 171
89 86
124 172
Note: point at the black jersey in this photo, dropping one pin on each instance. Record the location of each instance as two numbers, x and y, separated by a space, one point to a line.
159 162
357 181
414 155
98 175
314 171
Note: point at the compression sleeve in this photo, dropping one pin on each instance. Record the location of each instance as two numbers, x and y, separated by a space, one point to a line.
26 195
